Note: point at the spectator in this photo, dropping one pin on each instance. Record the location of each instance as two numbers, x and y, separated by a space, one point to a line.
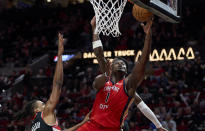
169 123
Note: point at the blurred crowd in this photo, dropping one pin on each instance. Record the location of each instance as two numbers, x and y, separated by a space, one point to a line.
174 90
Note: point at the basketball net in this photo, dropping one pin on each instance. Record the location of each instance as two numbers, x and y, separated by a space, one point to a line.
108 14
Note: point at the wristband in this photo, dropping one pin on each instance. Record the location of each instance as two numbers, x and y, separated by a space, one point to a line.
96 44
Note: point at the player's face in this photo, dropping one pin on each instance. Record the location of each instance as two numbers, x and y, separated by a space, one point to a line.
40 106
119 65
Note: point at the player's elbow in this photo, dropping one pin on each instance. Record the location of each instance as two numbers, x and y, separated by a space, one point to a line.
137 99
94 85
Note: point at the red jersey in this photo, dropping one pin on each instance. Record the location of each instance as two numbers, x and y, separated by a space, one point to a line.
111 105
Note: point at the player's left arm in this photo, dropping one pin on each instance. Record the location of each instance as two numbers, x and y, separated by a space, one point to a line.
74 128
148 112
104 64
48 112
137 75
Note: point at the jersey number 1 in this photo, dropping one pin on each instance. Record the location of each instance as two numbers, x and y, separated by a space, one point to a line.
107 97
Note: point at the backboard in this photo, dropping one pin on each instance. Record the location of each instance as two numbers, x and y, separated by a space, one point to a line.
169 10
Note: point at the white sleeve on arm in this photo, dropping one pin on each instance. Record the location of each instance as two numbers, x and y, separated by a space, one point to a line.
97 43
149 114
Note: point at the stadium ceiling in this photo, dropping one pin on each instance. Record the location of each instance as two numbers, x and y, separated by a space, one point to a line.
63 3
7 4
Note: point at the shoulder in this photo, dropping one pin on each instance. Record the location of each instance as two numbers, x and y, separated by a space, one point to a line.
100 81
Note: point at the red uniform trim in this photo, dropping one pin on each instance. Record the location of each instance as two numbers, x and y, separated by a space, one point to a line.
125 108
34 116
124 87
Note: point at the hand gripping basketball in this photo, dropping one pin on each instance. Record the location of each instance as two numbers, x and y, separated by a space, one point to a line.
141 14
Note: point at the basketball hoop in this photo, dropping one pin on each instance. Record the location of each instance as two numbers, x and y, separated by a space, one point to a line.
108 14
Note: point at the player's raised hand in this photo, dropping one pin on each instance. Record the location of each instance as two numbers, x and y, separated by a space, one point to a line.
93 23
147 27
60 44
162 129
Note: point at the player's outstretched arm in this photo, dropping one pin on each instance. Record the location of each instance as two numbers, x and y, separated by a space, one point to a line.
74 128
148 112
48 113
103 63
138 72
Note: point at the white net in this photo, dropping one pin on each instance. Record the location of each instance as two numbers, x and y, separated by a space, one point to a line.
108 14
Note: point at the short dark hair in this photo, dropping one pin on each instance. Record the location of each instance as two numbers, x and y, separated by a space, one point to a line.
28 110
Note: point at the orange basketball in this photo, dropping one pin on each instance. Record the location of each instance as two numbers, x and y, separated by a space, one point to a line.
141 14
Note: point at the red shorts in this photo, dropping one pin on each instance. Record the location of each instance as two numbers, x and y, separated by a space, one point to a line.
92 126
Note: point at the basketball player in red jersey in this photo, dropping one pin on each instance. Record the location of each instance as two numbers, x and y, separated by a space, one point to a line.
44 118
115 91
